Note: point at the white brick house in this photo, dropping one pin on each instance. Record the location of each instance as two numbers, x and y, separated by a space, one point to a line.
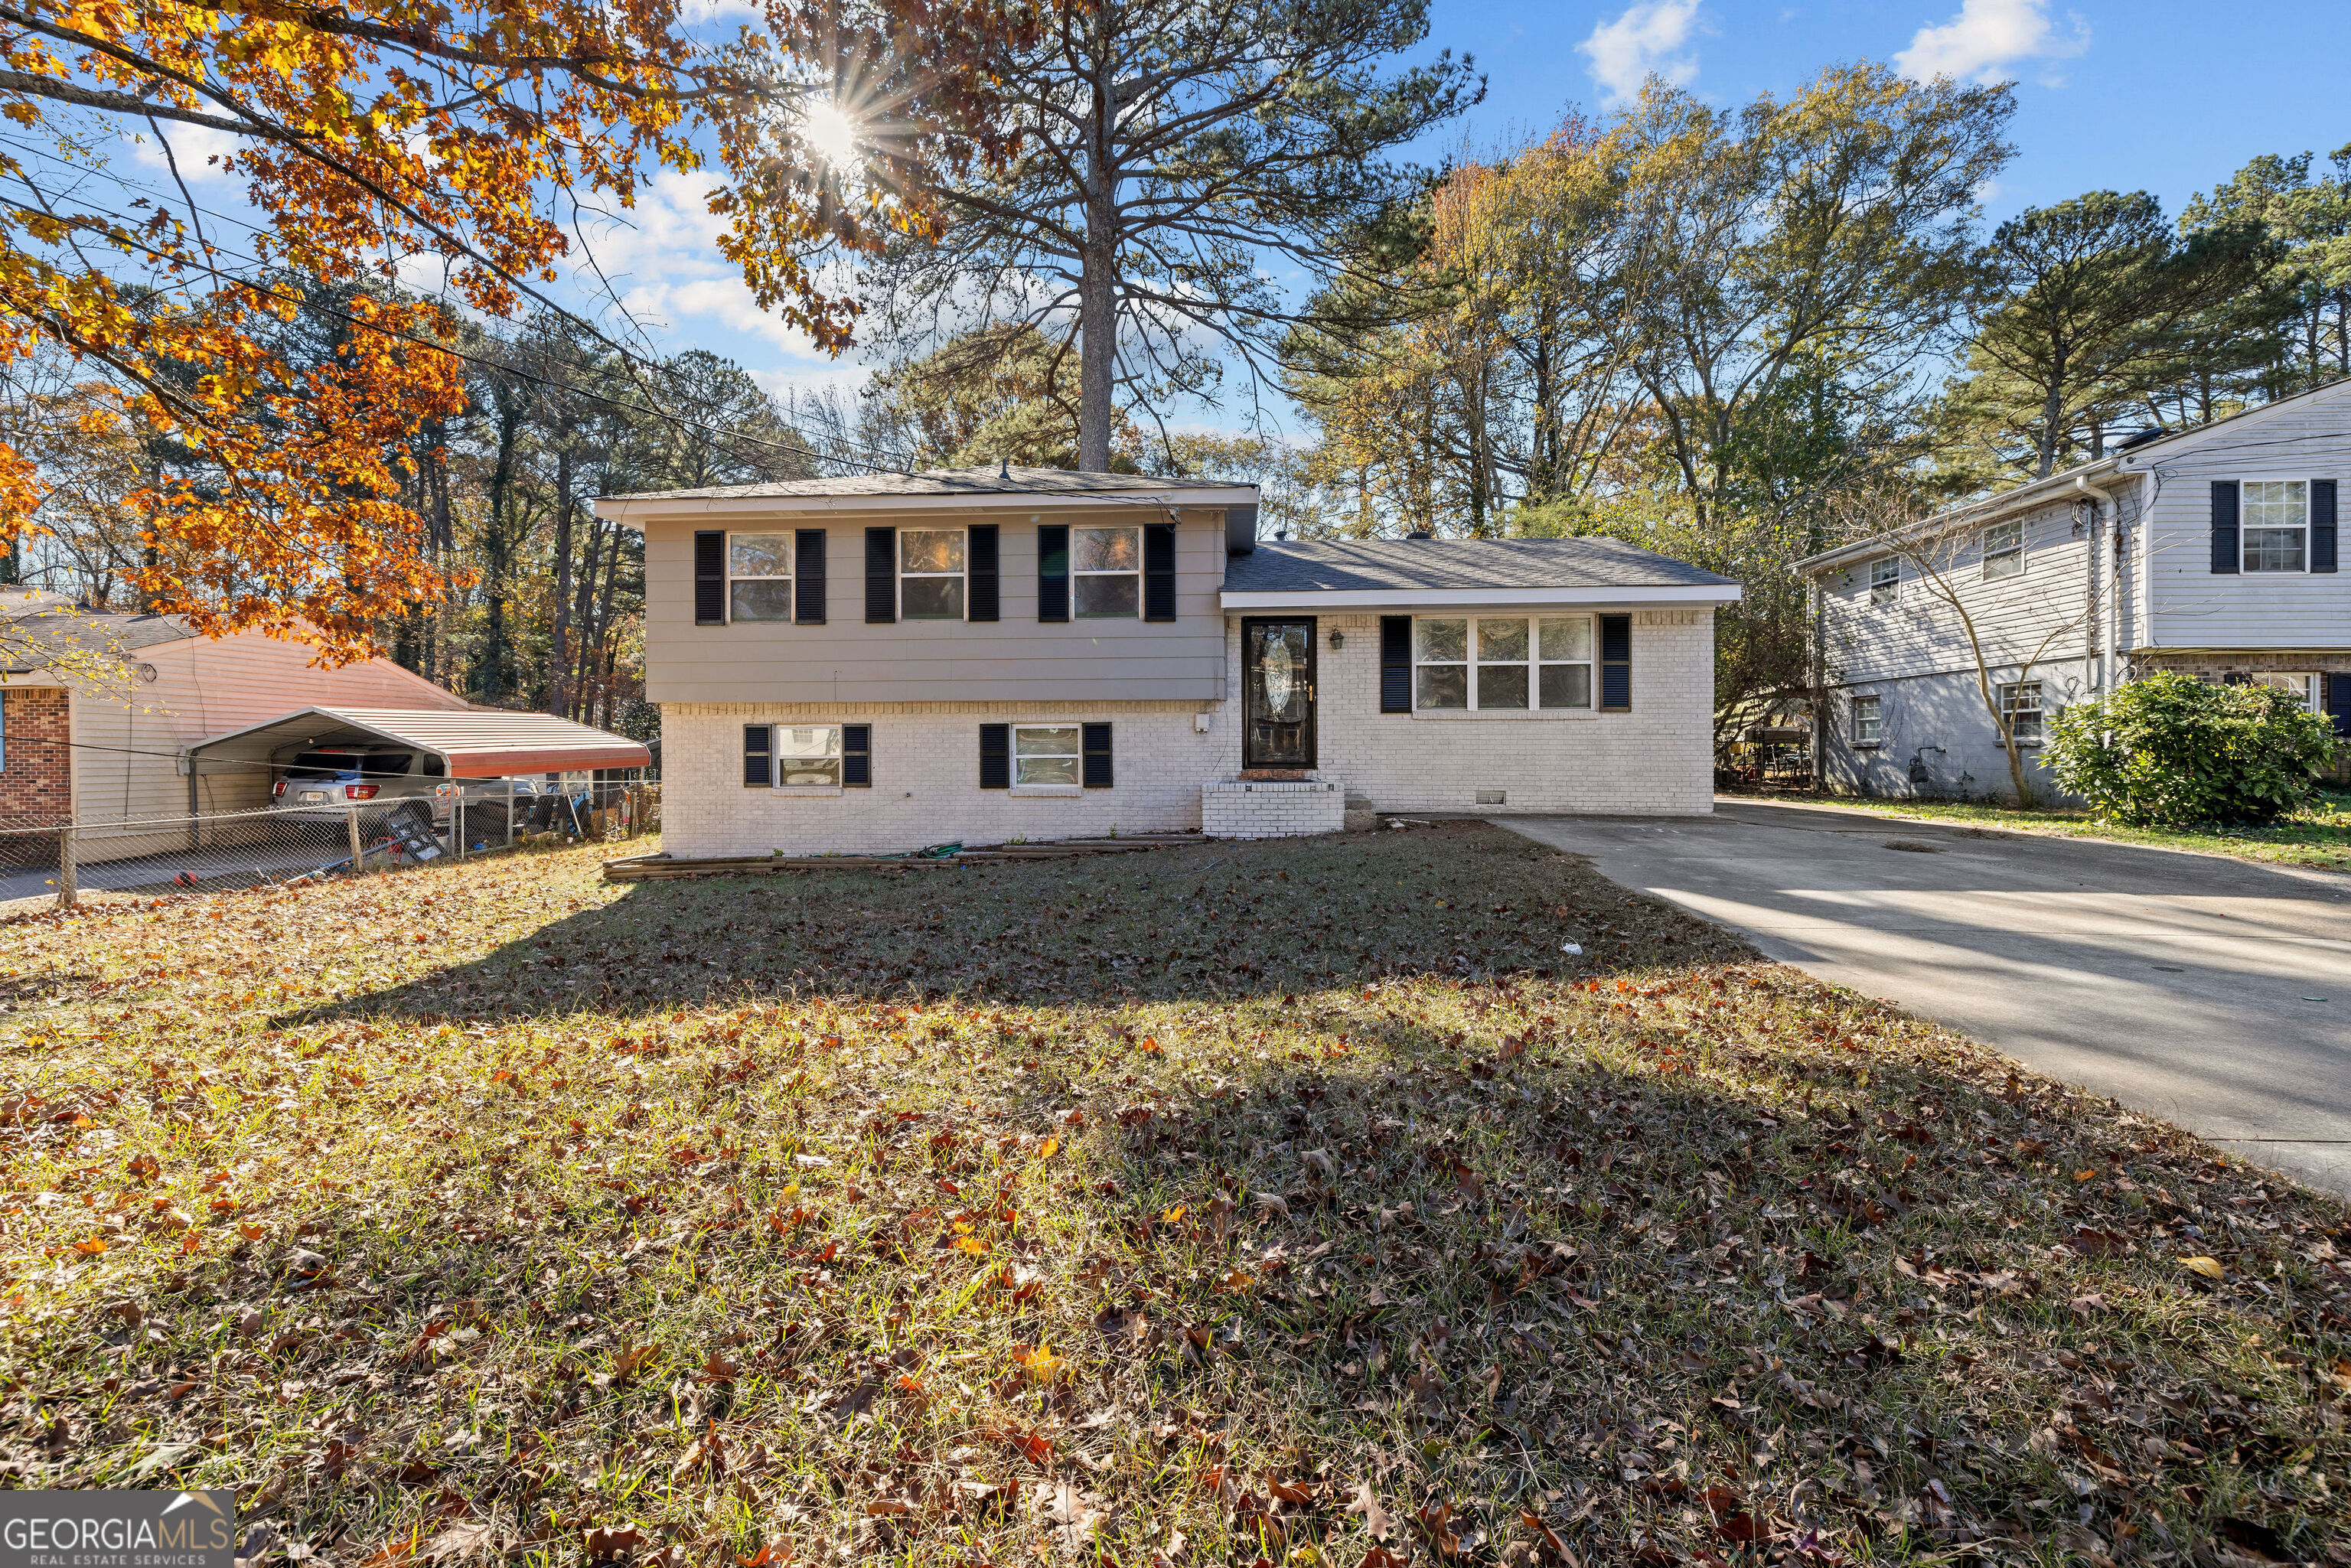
881 663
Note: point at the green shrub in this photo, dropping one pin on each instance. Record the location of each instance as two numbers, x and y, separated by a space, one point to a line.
2171 751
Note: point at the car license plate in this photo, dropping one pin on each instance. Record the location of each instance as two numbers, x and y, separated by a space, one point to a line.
313 798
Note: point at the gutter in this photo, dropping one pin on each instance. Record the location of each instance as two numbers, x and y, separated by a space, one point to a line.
2021 499
2104 576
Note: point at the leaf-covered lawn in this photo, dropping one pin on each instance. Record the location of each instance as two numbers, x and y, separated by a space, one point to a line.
2318 837
1298 1203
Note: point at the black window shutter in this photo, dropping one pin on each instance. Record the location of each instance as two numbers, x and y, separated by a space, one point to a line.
1615 664
1159 571
980 574
1395 663
755 755
857 756
881 576
709 577
2224 525
996 757
1096 746
808 575
2322 525
2338 702
1053 572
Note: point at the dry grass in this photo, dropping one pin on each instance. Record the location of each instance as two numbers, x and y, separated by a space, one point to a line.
1297 1203
2316 838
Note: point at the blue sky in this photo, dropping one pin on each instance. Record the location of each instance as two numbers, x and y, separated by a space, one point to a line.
2167 96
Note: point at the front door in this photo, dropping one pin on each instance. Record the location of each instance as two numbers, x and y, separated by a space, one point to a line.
1278 694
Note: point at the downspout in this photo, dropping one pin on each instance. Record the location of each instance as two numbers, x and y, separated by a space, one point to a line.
2104 583
1820 685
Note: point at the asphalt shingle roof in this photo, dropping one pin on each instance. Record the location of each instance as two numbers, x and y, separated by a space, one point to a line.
47 620
943 482
1339 566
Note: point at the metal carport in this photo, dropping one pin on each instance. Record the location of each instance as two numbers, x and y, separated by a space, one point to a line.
475 743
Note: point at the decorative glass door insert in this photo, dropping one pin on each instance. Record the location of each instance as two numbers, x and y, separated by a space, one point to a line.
1278 694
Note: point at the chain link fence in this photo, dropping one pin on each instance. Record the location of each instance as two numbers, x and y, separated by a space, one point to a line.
173 856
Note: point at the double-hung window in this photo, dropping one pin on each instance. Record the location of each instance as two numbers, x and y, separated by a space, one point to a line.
930 574
1868 720
1885 579
1106 567
2276 524
808 757
1497 662
2020 704
2003 550
760 577
1046 754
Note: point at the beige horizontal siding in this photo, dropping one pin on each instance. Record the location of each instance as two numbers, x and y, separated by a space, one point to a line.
125 752
1012 659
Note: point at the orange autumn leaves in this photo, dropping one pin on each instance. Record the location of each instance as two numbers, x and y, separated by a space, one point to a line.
366 136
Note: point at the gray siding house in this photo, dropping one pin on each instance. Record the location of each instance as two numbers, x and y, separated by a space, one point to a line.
2211 551
877 664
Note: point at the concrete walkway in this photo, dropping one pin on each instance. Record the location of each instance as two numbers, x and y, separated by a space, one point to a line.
2214 993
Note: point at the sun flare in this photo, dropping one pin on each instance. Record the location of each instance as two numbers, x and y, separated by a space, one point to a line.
831 133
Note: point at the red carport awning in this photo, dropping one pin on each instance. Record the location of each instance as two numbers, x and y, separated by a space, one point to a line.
476 743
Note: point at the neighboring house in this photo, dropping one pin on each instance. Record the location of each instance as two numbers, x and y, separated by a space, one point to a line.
2211 551
69 752
881 663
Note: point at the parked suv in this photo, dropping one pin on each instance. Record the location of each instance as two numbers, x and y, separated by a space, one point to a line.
318 786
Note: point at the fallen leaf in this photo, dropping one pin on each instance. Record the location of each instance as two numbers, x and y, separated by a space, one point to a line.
1071 1515
612 1542
2208 1267
1378 1524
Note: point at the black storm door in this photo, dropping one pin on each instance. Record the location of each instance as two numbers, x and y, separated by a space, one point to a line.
1278 694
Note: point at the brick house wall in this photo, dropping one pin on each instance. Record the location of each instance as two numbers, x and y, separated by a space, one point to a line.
1658 759
36 760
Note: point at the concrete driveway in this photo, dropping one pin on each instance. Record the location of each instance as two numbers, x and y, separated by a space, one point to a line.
2214 993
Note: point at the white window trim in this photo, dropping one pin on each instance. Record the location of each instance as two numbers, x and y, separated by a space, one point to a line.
2244 527
1875 741
776 760
2039 709
1983 546
963 577
1076 573
2314 685
1043 791
792 556
1534 664
1890 591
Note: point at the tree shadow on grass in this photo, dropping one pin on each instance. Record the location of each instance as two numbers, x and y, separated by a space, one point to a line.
1723 1261
1207 923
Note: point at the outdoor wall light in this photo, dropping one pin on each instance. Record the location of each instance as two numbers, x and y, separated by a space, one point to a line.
1337 641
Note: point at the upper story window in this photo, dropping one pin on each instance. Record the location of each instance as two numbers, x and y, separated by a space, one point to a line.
2276 524
1106 569
1520 662
2004 548
760 577
1885 579
930 574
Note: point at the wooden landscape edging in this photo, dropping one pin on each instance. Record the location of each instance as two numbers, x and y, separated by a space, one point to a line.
650 868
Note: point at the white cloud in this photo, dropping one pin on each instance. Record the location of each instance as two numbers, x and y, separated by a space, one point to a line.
1987 36
193 148
662 261
1650 39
